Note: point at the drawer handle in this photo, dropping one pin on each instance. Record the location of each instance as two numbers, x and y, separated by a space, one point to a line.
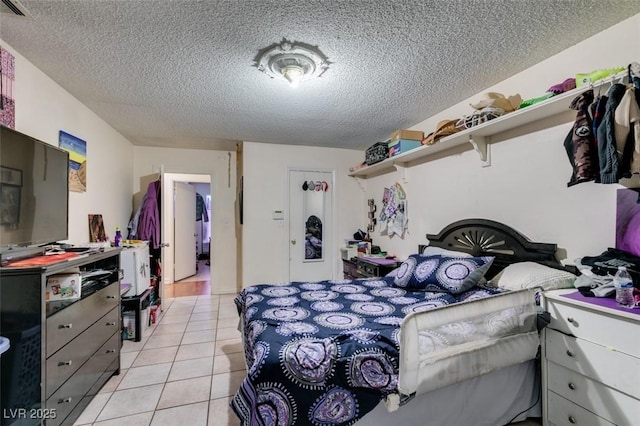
111 297
572 420
111 351
64 400
110 323
571 320
570 353
572 386
64 363
65 325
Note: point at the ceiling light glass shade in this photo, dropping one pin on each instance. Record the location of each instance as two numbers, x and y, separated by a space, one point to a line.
293 62
293 74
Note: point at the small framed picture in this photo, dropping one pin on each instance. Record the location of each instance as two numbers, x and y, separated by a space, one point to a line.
10 211
10 176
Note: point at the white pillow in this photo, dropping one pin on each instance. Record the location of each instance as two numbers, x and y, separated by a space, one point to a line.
439 251
530 274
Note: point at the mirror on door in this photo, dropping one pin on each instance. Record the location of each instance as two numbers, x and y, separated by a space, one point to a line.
314 212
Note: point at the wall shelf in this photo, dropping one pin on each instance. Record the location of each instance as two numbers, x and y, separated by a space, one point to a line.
478 136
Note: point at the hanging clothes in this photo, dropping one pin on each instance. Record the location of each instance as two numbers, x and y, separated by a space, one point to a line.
133 223
580 142
609 160
626 118
149 221
201 209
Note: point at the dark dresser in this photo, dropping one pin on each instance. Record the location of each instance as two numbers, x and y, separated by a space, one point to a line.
61 351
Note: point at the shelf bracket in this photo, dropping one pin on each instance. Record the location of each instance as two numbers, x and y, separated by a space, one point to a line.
402 168
361 183
483 149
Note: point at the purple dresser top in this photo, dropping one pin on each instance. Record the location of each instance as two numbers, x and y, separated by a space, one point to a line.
380 260
605 302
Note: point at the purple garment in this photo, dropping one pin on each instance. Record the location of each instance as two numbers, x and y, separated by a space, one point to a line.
149 222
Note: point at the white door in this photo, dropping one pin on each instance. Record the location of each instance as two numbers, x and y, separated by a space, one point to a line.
184 230
311 222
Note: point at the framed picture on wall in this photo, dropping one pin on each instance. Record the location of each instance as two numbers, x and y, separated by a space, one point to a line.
96 229
10 176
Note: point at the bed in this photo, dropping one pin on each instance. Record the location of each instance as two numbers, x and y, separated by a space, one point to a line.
394 349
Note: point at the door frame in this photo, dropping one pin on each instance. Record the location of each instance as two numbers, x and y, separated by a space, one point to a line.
167 234
330 252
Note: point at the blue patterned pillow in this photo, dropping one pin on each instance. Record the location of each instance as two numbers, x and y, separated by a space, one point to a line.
441 273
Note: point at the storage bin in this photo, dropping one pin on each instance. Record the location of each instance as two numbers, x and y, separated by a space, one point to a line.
401 146
376 153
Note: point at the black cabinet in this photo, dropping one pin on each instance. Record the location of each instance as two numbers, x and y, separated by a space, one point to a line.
61 351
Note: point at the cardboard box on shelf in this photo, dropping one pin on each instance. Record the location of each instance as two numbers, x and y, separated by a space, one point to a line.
413 135
401 146
63 287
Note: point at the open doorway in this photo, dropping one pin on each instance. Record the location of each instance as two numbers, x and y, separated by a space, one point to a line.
171 248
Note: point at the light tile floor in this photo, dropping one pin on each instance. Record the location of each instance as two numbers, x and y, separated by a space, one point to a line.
184 371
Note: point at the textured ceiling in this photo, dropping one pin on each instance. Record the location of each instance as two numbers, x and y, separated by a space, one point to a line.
179 72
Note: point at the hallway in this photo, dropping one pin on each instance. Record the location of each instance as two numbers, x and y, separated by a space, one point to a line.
196 285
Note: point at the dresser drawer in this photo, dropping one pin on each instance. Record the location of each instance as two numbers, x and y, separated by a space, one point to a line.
349 269
598 327
62 364
367 269
65 399
563 412
70 322
606 402
614 369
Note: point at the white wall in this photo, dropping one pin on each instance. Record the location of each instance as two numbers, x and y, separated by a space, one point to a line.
265 175
526 185
43 108
148 161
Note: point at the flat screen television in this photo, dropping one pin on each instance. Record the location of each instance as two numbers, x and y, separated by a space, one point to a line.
34 193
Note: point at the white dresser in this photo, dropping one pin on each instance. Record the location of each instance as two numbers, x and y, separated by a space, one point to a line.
590 362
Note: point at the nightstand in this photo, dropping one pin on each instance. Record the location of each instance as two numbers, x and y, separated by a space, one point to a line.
590 361
374 266
349 269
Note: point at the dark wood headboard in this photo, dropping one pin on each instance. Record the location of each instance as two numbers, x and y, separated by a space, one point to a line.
484 237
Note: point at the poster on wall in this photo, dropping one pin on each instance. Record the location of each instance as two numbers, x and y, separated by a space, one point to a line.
7 78
628 221
394 215
77 149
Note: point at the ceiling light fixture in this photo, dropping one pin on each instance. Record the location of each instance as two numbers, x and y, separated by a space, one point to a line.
294 62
